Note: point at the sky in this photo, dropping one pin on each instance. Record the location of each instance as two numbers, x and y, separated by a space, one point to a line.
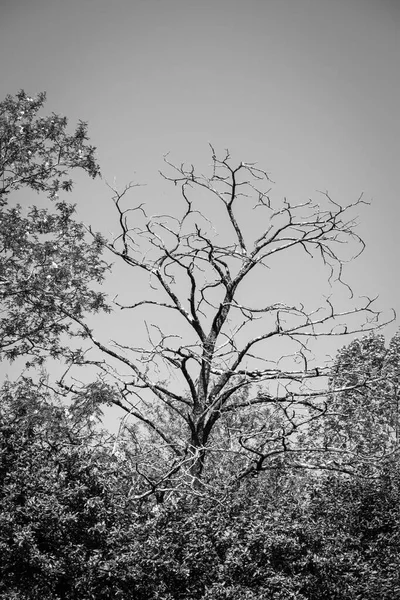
309 89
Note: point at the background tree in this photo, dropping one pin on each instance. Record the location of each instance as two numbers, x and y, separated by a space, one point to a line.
43 251
37 152
362 422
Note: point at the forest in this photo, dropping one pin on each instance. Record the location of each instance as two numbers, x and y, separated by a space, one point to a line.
244 464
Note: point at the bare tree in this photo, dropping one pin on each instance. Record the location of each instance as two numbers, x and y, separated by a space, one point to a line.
213 393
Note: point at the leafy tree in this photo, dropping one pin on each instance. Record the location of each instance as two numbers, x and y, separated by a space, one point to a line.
62 500
362 422
37 152
44 254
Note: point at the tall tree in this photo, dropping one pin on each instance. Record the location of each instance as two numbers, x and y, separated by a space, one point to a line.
212 372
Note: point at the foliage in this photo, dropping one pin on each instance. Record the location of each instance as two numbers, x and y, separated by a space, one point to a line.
70 527
356 529
362 422
310 539
47 265
37 152
57 506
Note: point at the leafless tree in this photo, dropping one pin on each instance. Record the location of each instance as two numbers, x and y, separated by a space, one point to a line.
212 392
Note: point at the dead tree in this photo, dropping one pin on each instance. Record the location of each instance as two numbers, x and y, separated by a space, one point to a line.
213 389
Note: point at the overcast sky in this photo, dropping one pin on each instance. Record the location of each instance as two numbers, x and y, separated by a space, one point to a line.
308 88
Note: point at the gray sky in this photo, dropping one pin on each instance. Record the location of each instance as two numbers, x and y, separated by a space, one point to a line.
308 88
